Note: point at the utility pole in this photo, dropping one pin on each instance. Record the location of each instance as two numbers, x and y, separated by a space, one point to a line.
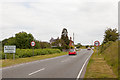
92 43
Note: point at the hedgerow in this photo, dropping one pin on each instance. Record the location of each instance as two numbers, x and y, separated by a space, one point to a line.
22 53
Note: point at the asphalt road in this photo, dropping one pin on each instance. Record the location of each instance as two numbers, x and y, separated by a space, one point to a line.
59 67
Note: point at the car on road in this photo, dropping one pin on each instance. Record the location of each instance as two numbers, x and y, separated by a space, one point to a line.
93 48
88 48
72 52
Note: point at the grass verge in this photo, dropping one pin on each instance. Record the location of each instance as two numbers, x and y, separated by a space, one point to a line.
11 62
98 68
111 56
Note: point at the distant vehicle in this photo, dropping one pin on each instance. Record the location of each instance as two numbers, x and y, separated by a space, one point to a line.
88 48
93 48
72 52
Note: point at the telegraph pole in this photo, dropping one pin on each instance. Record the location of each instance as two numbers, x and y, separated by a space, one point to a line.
92 43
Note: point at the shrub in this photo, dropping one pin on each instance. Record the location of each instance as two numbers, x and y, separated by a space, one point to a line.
105 46
22 53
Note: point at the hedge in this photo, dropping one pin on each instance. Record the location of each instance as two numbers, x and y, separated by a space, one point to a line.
22 53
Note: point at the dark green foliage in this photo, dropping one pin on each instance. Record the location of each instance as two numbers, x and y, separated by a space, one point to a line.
23 40
0 45
110 35
87 46
104 46
78 45
65 39
10 41
22 53
2 55
43 45
5 41
57 43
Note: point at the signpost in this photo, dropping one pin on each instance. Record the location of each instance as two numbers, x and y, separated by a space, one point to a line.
33 44
97 43
10 49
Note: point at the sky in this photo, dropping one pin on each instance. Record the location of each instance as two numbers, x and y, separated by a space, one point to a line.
87 19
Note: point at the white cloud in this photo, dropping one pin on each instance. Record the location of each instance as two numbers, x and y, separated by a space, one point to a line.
46 18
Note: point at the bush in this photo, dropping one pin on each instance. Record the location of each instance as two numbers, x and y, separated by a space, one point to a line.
105 46
2 55
22 53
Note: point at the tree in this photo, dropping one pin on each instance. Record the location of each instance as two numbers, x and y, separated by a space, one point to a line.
78 45
23 40
4 42
65 39
0 45
110 35
11 41
44 45
87 46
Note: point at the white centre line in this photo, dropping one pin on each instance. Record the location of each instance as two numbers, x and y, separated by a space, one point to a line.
36 71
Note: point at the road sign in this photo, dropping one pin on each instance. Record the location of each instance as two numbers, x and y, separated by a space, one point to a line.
9 49
33 43
96 43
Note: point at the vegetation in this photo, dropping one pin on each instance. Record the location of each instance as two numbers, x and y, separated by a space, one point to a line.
105 65
65 39
0 45
43 45
119 59
78 45
22 53
110 53
63 42
87 46
98 68
59 43
22 40
107 58
110 35
104 46
10 62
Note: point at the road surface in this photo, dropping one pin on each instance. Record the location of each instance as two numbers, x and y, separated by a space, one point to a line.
59 67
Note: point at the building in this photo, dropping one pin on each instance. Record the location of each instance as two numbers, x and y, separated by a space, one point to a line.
71 44
56 44
53 40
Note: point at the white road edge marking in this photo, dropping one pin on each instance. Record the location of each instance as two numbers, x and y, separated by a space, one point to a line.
83 67
36 71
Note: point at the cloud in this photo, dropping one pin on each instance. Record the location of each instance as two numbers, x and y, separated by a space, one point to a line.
46 18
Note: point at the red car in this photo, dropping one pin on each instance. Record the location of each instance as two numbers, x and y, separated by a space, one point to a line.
72 52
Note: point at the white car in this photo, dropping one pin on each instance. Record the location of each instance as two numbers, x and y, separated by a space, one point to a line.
93 48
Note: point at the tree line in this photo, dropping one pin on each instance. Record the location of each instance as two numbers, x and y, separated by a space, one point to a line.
110 35
22 40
